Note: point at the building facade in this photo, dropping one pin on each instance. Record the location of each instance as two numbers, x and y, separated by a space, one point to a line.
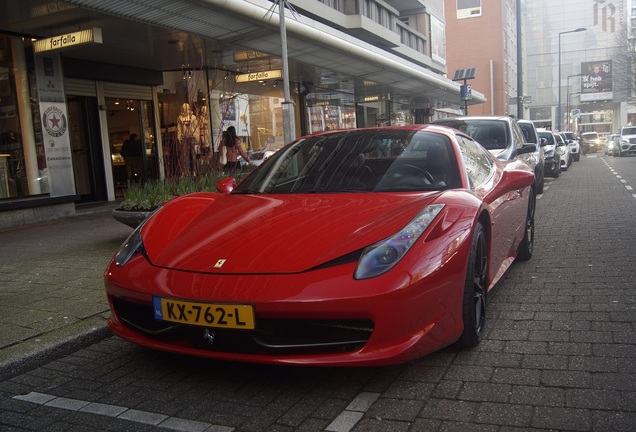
82 80
483 35
587 42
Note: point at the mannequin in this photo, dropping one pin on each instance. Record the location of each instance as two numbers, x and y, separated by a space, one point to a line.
204 131
187 138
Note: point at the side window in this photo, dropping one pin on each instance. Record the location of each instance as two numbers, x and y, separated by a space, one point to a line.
519 138
478 165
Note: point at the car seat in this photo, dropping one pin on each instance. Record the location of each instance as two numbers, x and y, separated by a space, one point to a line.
437 163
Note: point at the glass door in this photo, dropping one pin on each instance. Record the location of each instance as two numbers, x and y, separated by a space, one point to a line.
132 142
88 168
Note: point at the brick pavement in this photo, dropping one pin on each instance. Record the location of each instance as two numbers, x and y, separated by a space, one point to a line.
51 287
558 355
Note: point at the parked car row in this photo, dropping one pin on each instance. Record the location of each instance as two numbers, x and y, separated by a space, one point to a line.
561 150
506 138
554 152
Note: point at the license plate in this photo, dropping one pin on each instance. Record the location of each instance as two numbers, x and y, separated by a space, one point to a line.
236 316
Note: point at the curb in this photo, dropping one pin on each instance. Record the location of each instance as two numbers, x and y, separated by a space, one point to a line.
35 352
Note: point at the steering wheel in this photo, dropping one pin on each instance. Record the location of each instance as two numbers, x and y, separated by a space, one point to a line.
427 175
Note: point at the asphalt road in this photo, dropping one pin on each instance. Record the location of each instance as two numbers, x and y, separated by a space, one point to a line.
559 353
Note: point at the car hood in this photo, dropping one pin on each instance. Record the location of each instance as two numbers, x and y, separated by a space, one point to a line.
235 233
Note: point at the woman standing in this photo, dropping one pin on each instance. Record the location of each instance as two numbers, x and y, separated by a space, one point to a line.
233 148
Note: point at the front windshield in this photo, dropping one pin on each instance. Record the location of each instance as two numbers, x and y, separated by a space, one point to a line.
548 136
491 134
358 161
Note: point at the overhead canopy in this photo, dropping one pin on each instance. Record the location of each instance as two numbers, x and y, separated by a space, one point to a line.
254 25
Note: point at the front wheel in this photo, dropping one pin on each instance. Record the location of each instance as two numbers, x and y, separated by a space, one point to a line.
474 300
541 186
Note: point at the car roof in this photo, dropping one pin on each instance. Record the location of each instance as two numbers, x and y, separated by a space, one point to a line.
497 117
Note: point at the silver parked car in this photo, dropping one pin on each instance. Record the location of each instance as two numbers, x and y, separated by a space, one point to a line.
500 135
627 141
535 159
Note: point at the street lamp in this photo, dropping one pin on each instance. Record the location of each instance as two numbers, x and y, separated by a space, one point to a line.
559 116
567 102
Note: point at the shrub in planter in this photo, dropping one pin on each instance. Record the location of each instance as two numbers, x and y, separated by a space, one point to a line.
140 199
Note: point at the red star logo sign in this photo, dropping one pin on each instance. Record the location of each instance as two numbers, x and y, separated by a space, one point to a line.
55 122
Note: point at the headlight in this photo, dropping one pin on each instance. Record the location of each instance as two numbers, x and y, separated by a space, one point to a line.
561 150
130 248
549 153
382 256
133 244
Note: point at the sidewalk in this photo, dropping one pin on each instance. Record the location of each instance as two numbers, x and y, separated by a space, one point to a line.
51 285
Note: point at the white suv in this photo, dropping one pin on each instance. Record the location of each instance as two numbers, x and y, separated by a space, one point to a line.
573 144
552 157
564 151
627 140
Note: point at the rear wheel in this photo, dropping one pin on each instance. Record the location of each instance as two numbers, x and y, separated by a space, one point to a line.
527 244
474 301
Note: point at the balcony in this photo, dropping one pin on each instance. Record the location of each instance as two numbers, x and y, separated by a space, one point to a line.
373 21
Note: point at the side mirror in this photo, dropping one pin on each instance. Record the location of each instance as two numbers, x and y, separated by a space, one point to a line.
225 185
526 148
544 142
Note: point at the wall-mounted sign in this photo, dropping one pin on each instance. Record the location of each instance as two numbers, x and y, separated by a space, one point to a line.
465 92
55 125
596 81
53 43
259 76
241 56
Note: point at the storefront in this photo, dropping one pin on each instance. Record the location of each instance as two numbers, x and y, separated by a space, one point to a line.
169 94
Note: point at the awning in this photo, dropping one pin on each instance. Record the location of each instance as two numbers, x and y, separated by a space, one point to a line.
254 24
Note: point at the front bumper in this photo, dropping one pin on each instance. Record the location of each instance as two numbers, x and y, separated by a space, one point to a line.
551 165
628 148
321 317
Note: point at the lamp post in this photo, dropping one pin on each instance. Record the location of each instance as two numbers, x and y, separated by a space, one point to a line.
559 116
568 108
567 102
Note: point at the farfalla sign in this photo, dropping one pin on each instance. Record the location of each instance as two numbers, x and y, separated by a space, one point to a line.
54 43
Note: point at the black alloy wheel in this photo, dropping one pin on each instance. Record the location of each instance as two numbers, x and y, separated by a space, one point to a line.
474 301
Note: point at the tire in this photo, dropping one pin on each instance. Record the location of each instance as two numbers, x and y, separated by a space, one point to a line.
527 244
540 186
557 171
474 299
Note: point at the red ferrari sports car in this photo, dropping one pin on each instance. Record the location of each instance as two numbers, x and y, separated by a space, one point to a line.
351 247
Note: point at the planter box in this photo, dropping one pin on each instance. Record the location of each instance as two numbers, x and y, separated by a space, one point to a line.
132 218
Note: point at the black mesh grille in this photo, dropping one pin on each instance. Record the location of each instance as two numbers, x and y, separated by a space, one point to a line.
274 336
